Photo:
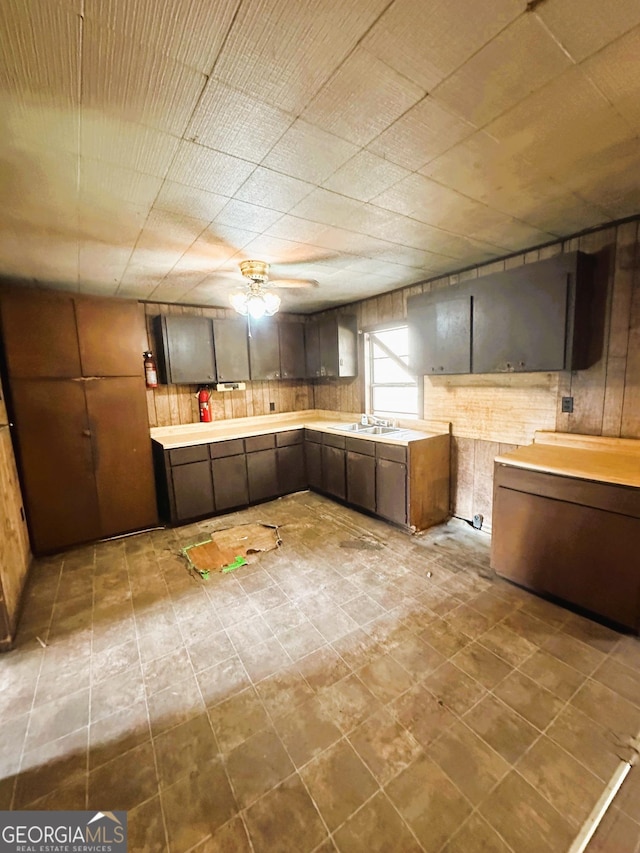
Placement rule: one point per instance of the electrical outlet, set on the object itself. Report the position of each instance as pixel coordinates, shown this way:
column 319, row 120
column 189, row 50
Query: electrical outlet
column 567, row 405
column 272, row 407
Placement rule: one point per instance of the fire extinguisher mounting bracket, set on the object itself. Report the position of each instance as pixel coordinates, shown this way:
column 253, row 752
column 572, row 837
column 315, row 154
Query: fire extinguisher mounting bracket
column 231, row 386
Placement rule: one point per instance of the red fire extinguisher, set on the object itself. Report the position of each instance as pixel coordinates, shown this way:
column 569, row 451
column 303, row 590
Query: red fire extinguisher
column 150, row 371
column 204, row 398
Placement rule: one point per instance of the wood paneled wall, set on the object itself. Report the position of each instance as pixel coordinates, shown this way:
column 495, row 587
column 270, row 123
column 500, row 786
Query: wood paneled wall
column 170, row 405
column 15, row 554
column 492, row 414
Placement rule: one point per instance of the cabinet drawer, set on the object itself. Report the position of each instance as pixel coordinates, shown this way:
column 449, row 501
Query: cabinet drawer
column 392, row 452
column 293, row 436
column 184, row 455
column 260, row 442
column 357, row 445
column 605, row 496
column 313, row 435
column 334, row 440
column 226, row 448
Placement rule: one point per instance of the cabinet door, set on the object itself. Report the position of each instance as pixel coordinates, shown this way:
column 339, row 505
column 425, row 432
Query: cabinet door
column 347, row 346
column 186, row 355
column 192, row 491
column 232, row 352
column 328, row 332
column 361, row 480
column 520, row 320
column 334, row 479
column 230, row 482
column 312, row 349
column 262, row 475
column 292, row 354
column 39, row 334
column 112, row 336
column 439, row 334
column 391, row 490
column 56, row 462
column 123, row 466
column 313, row 457
column 292, row 474
column 264, row 349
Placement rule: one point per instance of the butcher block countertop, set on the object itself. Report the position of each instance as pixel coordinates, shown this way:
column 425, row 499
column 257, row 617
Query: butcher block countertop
column 586, row 457
column 186, row 435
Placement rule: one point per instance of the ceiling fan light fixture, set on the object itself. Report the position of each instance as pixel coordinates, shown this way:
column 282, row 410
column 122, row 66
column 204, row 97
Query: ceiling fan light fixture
column 255, row 302
column 255, row 270
column 239, row 303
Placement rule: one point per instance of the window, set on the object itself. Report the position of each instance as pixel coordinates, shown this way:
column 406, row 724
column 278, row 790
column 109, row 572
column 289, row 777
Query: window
column 392, row 391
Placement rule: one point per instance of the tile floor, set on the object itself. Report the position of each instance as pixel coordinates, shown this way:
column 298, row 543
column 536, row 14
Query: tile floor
column 357, row 690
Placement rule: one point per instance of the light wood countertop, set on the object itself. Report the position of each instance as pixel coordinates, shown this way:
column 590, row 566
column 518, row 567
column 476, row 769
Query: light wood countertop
column 605, row 460
column 186, row 435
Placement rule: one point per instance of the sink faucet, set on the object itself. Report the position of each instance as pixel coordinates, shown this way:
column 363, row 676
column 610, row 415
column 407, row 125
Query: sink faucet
column 372, row 420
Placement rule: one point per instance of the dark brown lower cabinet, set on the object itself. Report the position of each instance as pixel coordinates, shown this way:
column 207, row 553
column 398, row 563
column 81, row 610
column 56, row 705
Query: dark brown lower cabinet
column 262, row 473
column 334, row 477
column 391, row 490
column 313, row 459
column 361, row 480
column 569, row 538
column 292, row 472
column 193, row 490
column 230, row 485
column 85, row 458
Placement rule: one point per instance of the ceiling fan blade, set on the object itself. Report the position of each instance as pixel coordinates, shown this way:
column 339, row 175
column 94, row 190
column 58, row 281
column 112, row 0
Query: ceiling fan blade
column 292, row 282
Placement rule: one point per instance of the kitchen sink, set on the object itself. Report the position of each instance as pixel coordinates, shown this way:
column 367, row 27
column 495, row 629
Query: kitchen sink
column 381, row 430
column 357, row 427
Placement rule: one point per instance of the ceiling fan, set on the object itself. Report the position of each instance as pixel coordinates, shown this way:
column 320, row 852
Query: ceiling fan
column 257, row 299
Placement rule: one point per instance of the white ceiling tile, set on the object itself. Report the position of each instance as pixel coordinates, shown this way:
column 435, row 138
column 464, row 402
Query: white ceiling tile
column 426, row 131
column 285, row 255
column 231, row 121
column 41, row 256
column 282, row 52
column 515, row 63
column 209, row 170
column 173, row 232
column 425, row 200
column 478, row 165
column 102, row 263
column 428, row 39
column 309, row 153
column 558, row 126
column 364, row 176
column 273, row 190
column 616, row 72
column 179, row 198
column 297, row 230
column 215, row 247
column 107, row 186
column 362, row 99
column 251, row 217
column 39, row 51
column 191, row 31
column 30, row 121
column 124, row 79
column 588, row 26
column 126, row 144
column 330, row 208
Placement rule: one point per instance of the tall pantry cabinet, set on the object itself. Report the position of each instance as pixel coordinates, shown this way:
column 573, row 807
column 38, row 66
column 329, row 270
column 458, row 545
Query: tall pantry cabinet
column 78, row 403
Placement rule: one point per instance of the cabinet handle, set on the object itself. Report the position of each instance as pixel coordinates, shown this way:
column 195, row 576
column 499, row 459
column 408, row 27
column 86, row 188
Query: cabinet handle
column 522, row 364
column 86, row 433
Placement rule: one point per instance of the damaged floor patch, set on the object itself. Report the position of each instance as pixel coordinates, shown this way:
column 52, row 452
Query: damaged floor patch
column 231, row 548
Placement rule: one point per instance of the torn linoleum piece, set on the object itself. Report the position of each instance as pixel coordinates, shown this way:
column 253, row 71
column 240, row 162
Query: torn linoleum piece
column 231, row 548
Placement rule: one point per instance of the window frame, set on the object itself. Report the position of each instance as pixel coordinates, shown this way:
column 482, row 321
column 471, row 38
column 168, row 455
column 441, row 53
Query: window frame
column 370, row 338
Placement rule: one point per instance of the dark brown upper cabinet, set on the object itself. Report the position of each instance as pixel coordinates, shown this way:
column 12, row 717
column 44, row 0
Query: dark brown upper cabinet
column 112, row 336
column 440, row 333
column 231, row 349
column 292, row 352
column 531, row 318
column 39, row 333
column 332, row 346
column 264, row 349
column 185, row 349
